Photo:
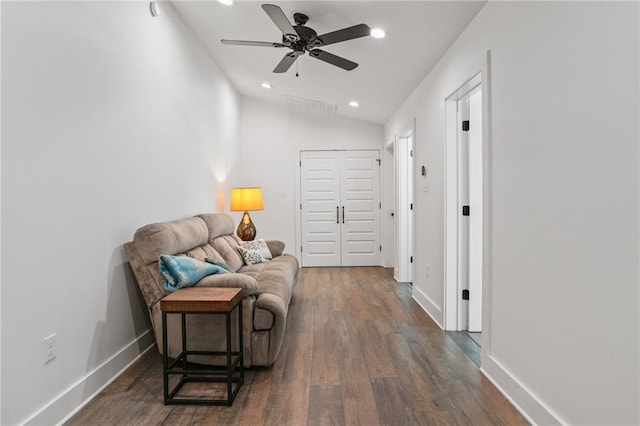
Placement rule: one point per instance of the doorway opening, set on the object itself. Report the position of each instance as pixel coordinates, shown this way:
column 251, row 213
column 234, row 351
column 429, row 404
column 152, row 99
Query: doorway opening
column 464, row 212
column 404, row 178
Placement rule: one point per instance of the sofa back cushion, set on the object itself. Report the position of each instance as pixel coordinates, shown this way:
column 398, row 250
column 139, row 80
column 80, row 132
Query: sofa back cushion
column 184, row 236
column 218, row 224
column 227, row 246
column 177, row 236
column 223, row 239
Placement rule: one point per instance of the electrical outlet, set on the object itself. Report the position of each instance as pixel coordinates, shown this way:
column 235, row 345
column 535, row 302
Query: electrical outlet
column 50, row 348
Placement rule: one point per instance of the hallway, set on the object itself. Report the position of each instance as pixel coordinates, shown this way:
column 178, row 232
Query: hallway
column 358, row 350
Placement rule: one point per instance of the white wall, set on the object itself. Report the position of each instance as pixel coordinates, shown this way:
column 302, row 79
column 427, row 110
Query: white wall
column 563, row 337
column 272, row 136
column 111, row 120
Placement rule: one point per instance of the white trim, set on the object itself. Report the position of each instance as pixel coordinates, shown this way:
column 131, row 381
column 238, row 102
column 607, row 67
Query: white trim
column 298, row 210
column 70, row 401
column 428, row 305
column 0, row 229
column 487, row 205
column 522, row 398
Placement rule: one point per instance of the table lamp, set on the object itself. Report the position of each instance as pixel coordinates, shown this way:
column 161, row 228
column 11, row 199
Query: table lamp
column 246, row 199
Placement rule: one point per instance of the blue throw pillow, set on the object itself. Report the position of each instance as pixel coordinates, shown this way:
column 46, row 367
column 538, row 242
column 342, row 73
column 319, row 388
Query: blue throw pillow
column 183, row 271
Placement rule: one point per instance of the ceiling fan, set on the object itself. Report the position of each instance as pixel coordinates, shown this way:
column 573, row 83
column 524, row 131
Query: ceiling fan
column 301, row 39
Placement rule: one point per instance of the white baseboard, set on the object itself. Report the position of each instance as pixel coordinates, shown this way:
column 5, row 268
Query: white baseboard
column 525, row 401
column 61, row 408
column 428, row 306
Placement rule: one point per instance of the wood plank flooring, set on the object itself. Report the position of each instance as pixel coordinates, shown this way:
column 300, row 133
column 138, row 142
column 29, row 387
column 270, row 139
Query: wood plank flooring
column 358, row 351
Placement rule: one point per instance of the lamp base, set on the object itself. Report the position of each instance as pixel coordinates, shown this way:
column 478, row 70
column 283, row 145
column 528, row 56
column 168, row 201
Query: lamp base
column 246, row 229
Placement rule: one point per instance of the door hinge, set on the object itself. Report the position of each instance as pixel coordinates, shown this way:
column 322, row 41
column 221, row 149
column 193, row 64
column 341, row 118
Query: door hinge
column 465, row 210
column 380, row 248
column 300, row 206
column 300, row 249
column 411, row 206
column 300, row 163
column 465, row 294
column 411, row 153
column 465, row 126
column 379, row 205
column 411, row 259
column 379, row 161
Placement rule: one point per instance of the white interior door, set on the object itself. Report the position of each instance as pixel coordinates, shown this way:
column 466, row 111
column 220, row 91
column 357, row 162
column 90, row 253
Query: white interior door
column 410, row 216
column 320, row 208
column 470, row 208
column 403, row 268
column 360, row 221
column 463, row 218
column 340, row 208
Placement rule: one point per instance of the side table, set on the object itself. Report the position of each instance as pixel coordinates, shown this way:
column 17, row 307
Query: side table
column 202, row 300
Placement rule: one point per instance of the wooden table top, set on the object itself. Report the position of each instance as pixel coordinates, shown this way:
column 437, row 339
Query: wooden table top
column 202, row 299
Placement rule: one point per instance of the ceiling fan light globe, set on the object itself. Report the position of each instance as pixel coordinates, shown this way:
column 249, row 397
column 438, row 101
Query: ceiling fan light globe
column 377, row 33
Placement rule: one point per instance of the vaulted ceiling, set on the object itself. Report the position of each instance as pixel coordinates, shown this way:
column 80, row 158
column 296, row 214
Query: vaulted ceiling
column 418, row 33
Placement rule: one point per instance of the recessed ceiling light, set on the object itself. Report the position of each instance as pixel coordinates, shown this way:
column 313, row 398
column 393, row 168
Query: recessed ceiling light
column 227, row 2
column 377, row 33
column 354, row 104
column 266, row 85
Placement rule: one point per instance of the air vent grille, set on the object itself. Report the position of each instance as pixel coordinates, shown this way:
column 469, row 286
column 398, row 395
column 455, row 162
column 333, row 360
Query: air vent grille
column 303, row 104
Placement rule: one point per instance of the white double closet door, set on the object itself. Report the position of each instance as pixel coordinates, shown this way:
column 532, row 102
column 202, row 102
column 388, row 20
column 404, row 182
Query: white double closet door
column 340, row 208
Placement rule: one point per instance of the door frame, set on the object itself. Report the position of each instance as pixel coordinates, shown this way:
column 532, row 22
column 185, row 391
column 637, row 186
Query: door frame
column 451, row 295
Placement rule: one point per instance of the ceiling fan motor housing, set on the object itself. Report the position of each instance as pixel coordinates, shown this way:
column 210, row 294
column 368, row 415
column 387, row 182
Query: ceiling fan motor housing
column 307, row 39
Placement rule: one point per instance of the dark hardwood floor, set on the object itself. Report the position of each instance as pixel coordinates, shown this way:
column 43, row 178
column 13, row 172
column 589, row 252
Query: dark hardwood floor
column 358, row 351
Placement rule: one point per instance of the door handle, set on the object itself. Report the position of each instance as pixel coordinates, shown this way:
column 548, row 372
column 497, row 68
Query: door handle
column 337, row 214
column 342, row 214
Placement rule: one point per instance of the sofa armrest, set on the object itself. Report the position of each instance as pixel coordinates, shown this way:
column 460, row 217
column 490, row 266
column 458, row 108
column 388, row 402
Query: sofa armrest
column 233, row 280
column 276, row 247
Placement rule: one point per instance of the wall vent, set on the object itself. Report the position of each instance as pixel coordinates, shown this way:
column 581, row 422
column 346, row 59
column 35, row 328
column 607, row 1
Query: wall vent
column 303, row 104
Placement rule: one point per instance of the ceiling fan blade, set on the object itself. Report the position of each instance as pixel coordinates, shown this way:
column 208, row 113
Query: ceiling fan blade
column 280, row 19
column 357, row 31
column 332, row 59
column 285, row 63
column 251, row 43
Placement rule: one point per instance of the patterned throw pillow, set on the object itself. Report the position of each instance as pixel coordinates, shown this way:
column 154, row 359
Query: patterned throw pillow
column 250, row 255
column 261, row 245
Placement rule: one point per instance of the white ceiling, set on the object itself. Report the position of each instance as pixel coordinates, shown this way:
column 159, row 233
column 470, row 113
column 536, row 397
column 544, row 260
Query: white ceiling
column 418, row 34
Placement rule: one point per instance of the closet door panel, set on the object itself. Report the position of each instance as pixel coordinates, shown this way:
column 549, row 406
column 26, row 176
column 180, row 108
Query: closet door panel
column 360, row 195
column 320, row 197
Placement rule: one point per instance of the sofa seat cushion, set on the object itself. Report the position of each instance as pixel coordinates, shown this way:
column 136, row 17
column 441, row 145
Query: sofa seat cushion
column 243, row 281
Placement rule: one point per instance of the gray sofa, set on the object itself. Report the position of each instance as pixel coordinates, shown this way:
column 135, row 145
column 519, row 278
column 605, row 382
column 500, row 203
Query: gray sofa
column 267, row 286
